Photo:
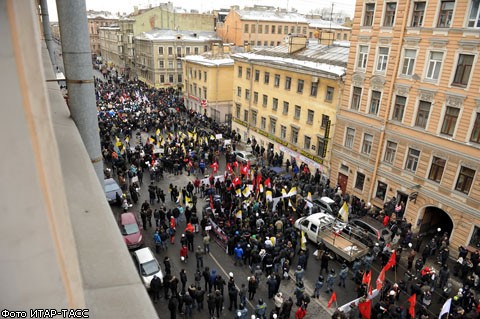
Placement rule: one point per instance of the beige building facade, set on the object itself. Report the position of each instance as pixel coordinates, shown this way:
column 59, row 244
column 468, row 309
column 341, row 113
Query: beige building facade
column 111, row 48
column 97, row 19
column 409, row 121
column 287, row 97
column 208, row 83
column 159, row 53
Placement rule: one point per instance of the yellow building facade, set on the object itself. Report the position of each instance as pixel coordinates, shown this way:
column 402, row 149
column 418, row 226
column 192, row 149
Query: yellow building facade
column 208, row 83
column 286, row 98
column 111, row 48
column 409, row 121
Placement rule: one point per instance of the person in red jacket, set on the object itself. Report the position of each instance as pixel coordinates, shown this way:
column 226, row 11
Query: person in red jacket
column 301, row 313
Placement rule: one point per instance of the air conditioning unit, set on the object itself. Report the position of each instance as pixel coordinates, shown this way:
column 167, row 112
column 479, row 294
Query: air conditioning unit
column 315, row 79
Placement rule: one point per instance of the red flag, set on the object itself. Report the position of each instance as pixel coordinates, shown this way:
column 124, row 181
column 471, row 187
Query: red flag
column 235, row 164
column 392, row 261
column 412, row 300
column 236, row 181
column 370, row 290
column 244, row 169
column 229, row 168
column 267, row 183
column 367, row 278
column 259, row 179
column 332, row 299
column 380, row 279
column 211, row 201
column 215, row 167
column 365, row 309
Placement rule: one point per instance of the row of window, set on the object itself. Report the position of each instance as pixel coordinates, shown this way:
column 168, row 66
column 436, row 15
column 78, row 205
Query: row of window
column 197, row 74
column 433, row 65
column 287, row 83
column 443, row 19
column 179, row 50
column 192, row 89
column 437, row 167
column 171, row 78
column 170, row 64
column 273, row 29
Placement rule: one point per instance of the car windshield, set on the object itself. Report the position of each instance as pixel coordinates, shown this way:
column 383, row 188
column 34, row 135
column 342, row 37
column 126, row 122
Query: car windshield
column 149, row 268
column 129, row 229
column 111, row 187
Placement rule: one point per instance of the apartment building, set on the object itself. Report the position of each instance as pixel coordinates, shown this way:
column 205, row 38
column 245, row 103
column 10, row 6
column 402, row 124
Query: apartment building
column 97, row 19
column 208, row 83
column 287, row 97
column 409, row 121
column 158, row 54
column 111, row 48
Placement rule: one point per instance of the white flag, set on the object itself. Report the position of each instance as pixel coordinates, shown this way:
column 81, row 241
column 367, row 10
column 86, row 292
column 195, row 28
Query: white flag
column 445, row 308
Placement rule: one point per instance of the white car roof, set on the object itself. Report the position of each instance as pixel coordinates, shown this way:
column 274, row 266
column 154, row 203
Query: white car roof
column 144, row 255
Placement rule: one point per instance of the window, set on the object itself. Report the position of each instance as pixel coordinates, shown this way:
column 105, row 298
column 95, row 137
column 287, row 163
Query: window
column 367, row 144
column 300, row 86
column 161, row 64
column 321, row 147
column 245, row 115
column 247, row 94
column 325, row 120
column 265, row 43
column 349, row 137
column 179, row 65
column 274, row 104
column 446, row 14
column 356, row 97
column 390, row 151
column 170, row 78
column 409, row 61
column 474, row 17
column 475, row 239
column 450, row 120
column 422, row 114
column 283, row 132
column 329, row 94
column 187, row 51
column 298, row 110
column 285, row 107
column 245, row 28
column 273, row 29
column 314, row 89
column 248, row 73
column 255, row 97
column 294, row 136
column 288, row 83
column 307, row 142
column 160, row 50
column 381, row 190
column 204, row 76
column 180, row 78
column 266, row 78
column 253, row 28
column 162, row 78
column 199, row 75
column 254, row 118
column 389, row 18
column 266, row 28
column 434, row 65
column 362, row 57
column 263, row 123
column 399, row 108
column 304, row 30
column 170, row 66
column 369, row 13
column 260, row 28
column 279, row 29
column 273, row 126
column 310, row 115
column 265, row 100
column 418, row 13
column 237, row 111
column 412, row 160
column 276, row 81
column 465, row 179
column 360, row 181
column 463, row 70
column 257, row 75
column 475, row 137
column 375, row 102
column 239, row 70
column 436, row 170
column 285, row 30
column 382, row 59
column 170, row 50
column 239, row 91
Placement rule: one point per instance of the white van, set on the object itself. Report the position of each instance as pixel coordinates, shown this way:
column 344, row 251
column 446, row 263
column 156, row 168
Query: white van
column 314, row 225
column 148, row 265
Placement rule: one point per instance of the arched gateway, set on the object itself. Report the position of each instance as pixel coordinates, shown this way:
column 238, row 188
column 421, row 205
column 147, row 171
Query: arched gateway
column 433, row 218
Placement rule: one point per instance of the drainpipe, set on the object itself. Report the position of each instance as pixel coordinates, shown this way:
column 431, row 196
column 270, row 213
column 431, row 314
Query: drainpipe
column 47, row 32
column 77, row 59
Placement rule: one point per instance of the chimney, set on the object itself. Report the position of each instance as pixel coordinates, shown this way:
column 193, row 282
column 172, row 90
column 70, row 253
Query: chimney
column 246, row 46
column 135, row 10
column 296, row 42
column 227, row 48
column 215, row 49
column 326, row 37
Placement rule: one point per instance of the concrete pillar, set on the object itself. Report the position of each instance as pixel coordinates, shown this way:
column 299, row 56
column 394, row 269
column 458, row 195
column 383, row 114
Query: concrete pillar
column 47, row 32
column 77, row 60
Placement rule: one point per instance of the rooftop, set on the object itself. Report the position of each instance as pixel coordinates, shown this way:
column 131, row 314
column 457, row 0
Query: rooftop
column 274, row 16
column 210, row 60
column 322, row 24
column 172, row 35
column 91, row 14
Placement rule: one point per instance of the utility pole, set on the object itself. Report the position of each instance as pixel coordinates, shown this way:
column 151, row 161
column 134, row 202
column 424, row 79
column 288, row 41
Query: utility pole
column 77, row 59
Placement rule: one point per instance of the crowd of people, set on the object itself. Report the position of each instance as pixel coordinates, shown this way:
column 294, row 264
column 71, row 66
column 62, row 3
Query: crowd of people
column 259, row 234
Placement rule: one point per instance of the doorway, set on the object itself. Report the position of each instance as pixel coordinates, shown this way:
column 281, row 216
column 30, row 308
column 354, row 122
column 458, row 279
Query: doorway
column 433, row 218
column 342, row 181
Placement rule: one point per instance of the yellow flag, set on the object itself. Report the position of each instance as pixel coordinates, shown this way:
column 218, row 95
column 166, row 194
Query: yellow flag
column 268, row 195
column 151, row 140
column 284, row 192
column 157, row 132
column 309, row 196
column 344, row 212
column 293, row 191
column 238, row 191
column 303, row 242
column 188, row 202
column 246, row 191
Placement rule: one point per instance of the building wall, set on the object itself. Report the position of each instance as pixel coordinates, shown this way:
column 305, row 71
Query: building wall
column 111, row 40
column 339, row 34
column 93, row 25
column 214, row 89
column 405, row 133
column 244, row 109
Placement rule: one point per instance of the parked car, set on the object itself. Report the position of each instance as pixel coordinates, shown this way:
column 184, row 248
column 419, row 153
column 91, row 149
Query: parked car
column 131, row 230
column 148, row 265
column 111, row 189
column 244, row 157
column 326, row 205
column 369, row 229
column 314, row 224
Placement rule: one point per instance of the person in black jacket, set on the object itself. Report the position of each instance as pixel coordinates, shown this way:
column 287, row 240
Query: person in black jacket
column 199, row 297
column 183, row 279
column 155, row 286
column 172, row 306
column 206, row 277
column 218, row 302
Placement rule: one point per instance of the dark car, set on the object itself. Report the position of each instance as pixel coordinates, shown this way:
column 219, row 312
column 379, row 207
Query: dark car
column 369, row 230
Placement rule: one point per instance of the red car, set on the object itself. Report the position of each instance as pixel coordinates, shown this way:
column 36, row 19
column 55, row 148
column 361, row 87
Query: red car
column 131, row 230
